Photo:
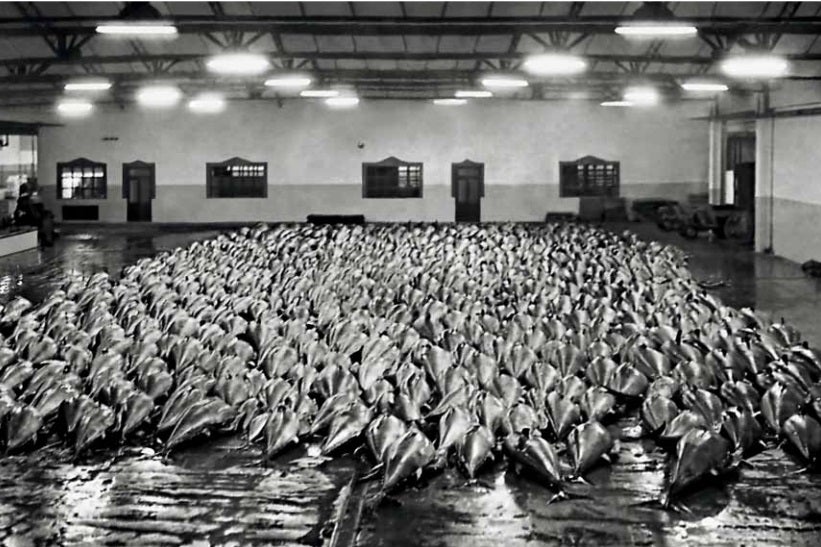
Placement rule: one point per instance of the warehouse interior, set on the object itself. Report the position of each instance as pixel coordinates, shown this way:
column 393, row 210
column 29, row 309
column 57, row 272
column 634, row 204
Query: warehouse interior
column 614, row 183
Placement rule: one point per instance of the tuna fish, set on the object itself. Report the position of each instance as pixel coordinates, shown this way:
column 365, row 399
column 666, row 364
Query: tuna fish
column 562, row 414
column 657, row 412
column 476, row 449
column 407, row 456
column 281, row 430
column 198, row 419
column 453, row 426
column 346, row 425
column 534, row 455
column 778, row 404
column 699, row 453
column 22, row 424
column 586, row 444
column 804, row 434
column 597, row 403
column 382, row 433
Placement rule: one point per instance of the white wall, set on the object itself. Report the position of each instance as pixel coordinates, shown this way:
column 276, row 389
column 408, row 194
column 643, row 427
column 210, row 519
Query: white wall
column 662, row 152
column 788, row 190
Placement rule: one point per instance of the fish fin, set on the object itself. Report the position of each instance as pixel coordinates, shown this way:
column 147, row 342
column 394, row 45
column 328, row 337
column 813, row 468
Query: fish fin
column 652, row 503
column 580, row 479
column 798, row 471
column 370, row 474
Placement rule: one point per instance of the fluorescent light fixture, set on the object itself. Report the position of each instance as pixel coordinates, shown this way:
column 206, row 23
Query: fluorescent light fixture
column 290, row 82
column 450, row 102
column 95, row 85
column 319, row 93
column 207, row 103
column 504, row 82
column 765, row 66
column 159, row 95
column 473, row 94
column 616, row 103
column 704, row 86
column 642, row 96
column 644, row 30
column 555, row 63
column 74, row 107
column 342, row 102
column 138, row 29
column 238, row 63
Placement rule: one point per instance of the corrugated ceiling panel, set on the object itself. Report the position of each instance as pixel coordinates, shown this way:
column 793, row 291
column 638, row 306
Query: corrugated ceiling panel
column 516, row 9
column 424, row 9
column 493, row 43
column 335, row 43
column 457, row 44
column 188, row 8
column 327, row 8
column 467, row 9
column 276, row 9
column 298, row 42
column 379, row 43
column 421, row 44
column 378, row 9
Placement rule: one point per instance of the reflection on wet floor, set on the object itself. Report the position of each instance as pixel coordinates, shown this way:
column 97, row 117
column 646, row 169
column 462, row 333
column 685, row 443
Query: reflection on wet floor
column 213, row 494
column 219, row 493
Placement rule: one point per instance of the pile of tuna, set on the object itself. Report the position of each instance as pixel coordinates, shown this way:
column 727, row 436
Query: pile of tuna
column 417, row 346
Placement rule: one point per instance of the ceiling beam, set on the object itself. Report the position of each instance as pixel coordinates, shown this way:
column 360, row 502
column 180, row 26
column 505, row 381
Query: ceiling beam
column 341, row 76
column 28, row 26
column 372, row 55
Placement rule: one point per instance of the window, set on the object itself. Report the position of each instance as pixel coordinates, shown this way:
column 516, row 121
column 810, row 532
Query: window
column 237, row 178
column 392, row 178
column 81, row 179
column 589, row 177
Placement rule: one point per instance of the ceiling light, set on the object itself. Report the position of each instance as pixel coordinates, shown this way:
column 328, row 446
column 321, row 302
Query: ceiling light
column 704, row 86
column 473, row 94
column 96, row 85
column 616, row 103
column 645, row 30
column 238, row 63
column 74, row 107
column 504, row 82
column 641, row 96
column 138, row 30
column 765, row 66
column 342, row 101
column 555, row 63
column 450, row 102
column 319, row 93
column 208, row 103
column 291, row 82
column 159, row 95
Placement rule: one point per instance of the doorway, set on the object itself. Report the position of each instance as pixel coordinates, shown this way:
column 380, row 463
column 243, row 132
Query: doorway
column 468, row 189
column 739, row 190
column 139, row 188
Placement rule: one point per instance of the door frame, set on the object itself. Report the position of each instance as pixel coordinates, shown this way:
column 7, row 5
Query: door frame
column 152, row 185
column 454, row 173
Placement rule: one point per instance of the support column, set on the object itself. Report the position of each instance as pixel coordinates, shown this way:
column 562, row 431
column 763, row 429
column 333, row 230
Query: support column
column 764, row 145
column 715, row 169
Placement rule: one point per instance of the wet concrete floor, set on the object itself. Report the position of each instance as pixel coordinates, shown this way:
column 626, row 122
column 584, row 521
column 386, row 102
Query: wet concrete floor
column 218, row 493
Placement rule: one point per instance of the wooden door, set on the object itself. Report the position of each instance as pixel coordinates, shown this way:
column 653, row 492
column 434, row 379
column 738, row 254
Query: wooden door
column 139, row 188
column 468, row 189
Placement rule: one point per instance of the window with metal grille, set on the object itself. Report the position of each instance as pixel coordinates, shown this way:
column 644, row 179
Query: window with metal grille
column 392, row 178
column 237, row 178
column 589, row 177
column 81, row 179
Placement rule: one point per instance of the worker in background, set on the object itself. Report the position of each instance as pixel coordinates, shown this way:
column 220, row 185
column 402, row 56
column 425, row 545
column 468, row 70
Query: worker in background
column 30, row 212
